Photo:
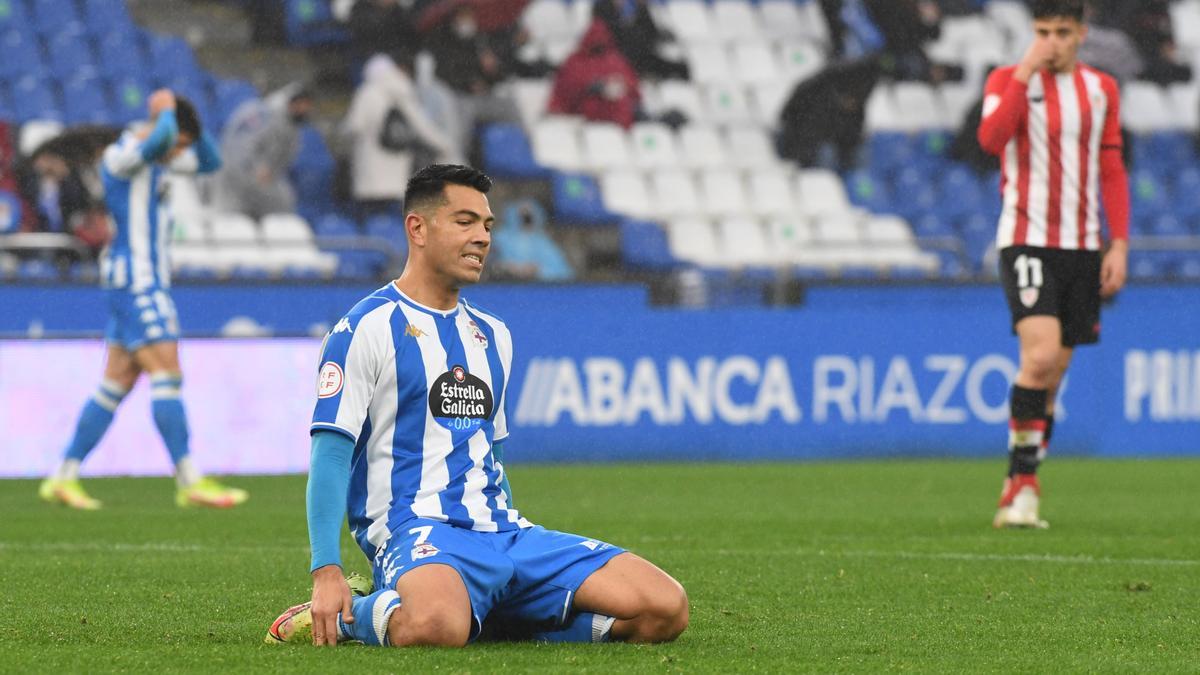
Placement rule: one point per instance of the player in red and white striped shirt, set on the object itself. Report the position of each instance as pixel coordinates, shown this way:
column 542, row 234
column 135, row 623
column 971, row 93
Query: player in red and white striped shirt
column 1055, row 125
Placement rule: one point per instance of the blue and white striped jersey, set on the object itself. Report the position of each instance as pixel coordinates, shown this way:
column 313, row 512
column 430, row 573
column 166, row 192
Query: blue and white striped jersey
column 422, row 394
column 136, row 258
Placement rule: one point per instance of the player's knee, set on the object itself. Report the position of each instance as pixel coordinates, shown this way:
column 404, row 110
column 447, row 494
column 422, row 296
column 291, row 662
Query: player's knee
column 666, row 614
column 1041, row 365
column 428, row 628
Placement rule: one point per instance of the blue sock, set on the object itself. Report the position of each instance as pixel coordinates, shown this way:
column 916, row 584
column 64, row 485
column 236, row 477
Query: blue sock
column 582, row 627
column 371, row 615
column 169, row 416
column 94, row 420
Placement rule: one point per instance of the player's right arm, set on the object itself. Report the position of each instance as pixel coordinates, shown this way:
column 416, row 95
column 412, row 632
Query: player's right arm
column 1004, row 97
column 346, row 382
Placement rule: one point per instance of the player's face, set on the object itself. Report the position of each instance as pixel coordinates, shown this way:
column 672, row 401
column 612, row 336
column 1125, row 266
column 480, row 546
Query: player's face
column 1063, row 35
column 459, row 235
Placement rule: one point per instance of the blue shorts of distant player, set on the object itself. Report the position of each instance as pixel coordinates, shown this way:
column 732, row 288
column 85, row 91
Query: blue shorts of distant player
column 136, row 319
column 528, row 575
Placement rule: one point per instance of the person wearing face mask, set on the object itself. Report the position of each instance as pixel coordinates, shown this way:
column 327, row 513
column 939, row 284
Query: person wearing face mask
column 597, row 81
column 260, row 142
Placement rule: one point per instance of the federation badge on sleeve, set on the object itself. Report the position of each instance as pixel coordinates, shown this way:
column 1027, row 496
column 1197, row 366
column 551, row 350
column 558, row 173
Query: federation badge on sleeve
column 329, row 382
column 1029, row 297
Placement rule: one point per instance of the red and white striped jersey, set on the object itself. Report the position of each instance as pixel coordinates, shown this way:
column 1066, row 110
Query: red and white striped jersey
column 1050, row 136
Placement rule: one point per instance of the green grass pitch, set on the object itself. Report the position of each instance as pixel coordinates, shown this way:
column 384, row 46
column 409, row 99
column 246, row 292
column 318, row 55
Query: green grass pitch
column 830, row 567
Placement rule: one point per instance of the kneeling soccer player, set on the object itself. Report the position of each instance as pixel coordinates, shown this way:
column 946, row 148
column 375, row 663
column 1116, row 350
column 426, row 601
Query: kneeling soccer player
column 407, row 437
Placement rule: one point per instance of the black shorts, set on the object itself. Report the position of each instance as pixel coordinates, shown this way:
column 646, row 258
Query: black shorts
column 1053, row 282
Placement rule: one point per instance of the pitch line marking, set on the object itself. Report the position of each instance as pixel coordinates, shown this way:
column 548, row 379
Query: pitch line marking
column 976, row 557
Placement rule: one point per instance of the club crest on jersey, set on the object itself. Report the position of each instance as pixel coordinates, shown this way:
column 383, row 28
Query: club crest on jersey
column 1029, row 296
column 425, row 550
column 460, row 401
column 329, row 381
column 477, row 335
column 342, row 326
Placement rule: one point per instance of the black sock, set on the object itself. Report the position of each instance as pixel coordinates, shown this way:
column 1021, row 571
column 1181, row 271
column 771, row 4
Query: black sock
column 1026, row 429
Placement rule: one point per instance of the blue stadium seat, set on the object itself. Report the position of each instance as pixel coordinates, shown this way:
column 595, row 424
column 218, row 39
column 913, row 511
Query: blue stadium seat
column 13, row 17
column 104, row 17
column 1187, row 194
column 171, row 58
column 644, row 246
column 84, row 272
column 85, row 102
column 1188, row 266
column 866, row 191
column 360, row 264
column 228, row 95
column 128, row 96
column 335, row 225
column 1149, row 195
column 22, row 55
column 960, row 193
column 310, row 23
column 49, row 16
column 918, row 195
column 1147, row 266
column 506, row 153
column 389, row 229
column 33, row 99
column 10, row 212
column 1167, row 225
column 889, row 152
column 577, row 200
column 121, row 55
column 70, row 56
column 932, row 225
column 312, row 174
column 37, row 270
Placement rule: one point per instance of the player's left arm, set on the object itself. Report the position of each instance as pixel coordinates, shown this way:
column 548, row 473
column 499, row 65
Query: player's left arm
column 498, row 455
column 1114, row 193
column 328, row 485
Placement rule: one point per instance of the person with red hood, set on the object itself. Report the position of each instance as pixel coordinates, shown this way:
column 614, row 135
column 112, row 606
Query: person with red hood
column 596, row 81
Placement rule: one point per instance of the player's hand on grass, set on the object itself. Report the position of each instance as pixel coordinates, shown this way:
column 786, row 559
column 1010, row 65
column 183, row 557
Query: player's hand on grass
column 1037, row 57
column 331, row 595
column 163, row 99
column 1113, row 268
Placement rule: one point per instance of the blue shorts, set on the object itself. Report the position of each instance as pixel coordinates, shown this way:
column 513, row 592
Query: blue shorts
column 138, row 319
column 528, row 575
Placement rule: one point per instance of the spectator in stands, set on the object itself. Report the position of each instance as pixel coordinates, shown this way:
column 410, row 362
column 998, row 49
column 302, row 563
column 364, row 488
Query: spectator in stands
column 389, row 132
column 266, row 22
column 638, row 37
column 596, row 81
column 828, row 108
column 60, row 179
column 470, row 64
column 259, row 144
column 1148, row 23
column 906, row 25
column 381, row 27
column 522, row 249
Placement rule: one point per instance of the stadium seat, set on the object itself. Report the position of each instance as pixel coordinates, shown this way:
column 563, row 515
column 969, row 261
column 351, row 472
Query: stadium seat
column 1185, row 103
column 14, row 18
column 690, row 20
column 549, row 21
column 10, row 212
column 577, row 200
column 771, row 194
column 37, row 270
column 35, row 132
column 625, row 193
column 840, row 229
column 755, row 62
column 118, row 56
column 709, row 63
column 556, row 143
column 312, row 173
column 799, row 61
column 49, row 16
column 673, row 192
column 70, row 56
column 723, row 193
column 507, row 154
column 285, row 228
column 680, row 96
column 128, row 96
column 336, row 225
column 653, row 146
column 702, row 147
column 84, row 102
column 735, row 20
column 867, row 192
column 103, row 17
column 782, row 19
column 727, row 104
column 644, row 246
column 918, row 107
column 171, row 58
column 821, row 192
column 310, row 23
column 767, row 100
column 790, row 236
column 32, row 99
column 1185, row 22
column 532, row 96
column 1145, row 107
column 22, row 55
column 743, row 243
column 605, row 146
column 881, row 112
column 751, row 148
column 693, row 240
column 233, row 228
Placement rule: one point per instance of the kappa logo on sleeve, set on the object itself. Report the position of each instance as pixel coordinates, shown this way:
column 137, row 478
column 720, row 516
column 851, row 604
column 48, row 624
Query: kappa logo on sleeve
column 342, row 326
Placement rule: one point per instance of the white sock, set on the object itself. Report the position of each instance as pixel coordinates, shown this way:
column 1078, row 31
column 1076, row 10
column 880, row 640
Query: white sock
column 186, row 473
column 68, row 470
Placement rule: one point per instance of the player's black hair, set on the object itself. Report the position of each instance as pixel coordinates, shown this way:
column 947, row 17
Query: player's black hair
column 187, row 118
column 427, row 187
column 1049, row 9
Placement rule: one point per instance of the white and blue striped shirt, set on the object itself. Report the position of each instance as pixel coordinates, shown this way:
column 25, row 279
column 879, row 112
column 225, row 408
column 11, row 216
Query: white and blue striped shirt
column 136, row 258
column 421, row 392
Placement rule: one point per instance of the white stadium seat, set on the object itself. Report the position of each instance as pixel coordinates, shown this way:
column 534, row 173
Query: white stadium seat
column 881, row 112
column 605, row 146
column 624, row 191
column 781, row 19
column 1185, row 102
column 1185, row 20
column 755, row 62
column 548, row 20
column 799, row 61
column 723, row 192
column 839, row 229
column 771, row 194
column 742, row 241
column 751, row 148
column 556, row 143
column 736, row 20
column 822, row 192
column 709, row 63
column 653, row 146
column 285, row 228
column 693, row 240
column 789, row 235
column 532, row 96
column 768, row 100
column 188, row 215
column 673, row 193
column 918, row 107
column 683, row 97
column 229, row 228
column 726, row 103
column 1145, row 107
column 956, row 100
column 690, row 20
column 702, row 146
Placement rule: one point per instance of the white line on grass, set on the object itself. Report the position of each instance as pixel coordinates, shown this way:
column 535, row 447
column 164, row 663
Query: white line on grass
column 175, row 547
